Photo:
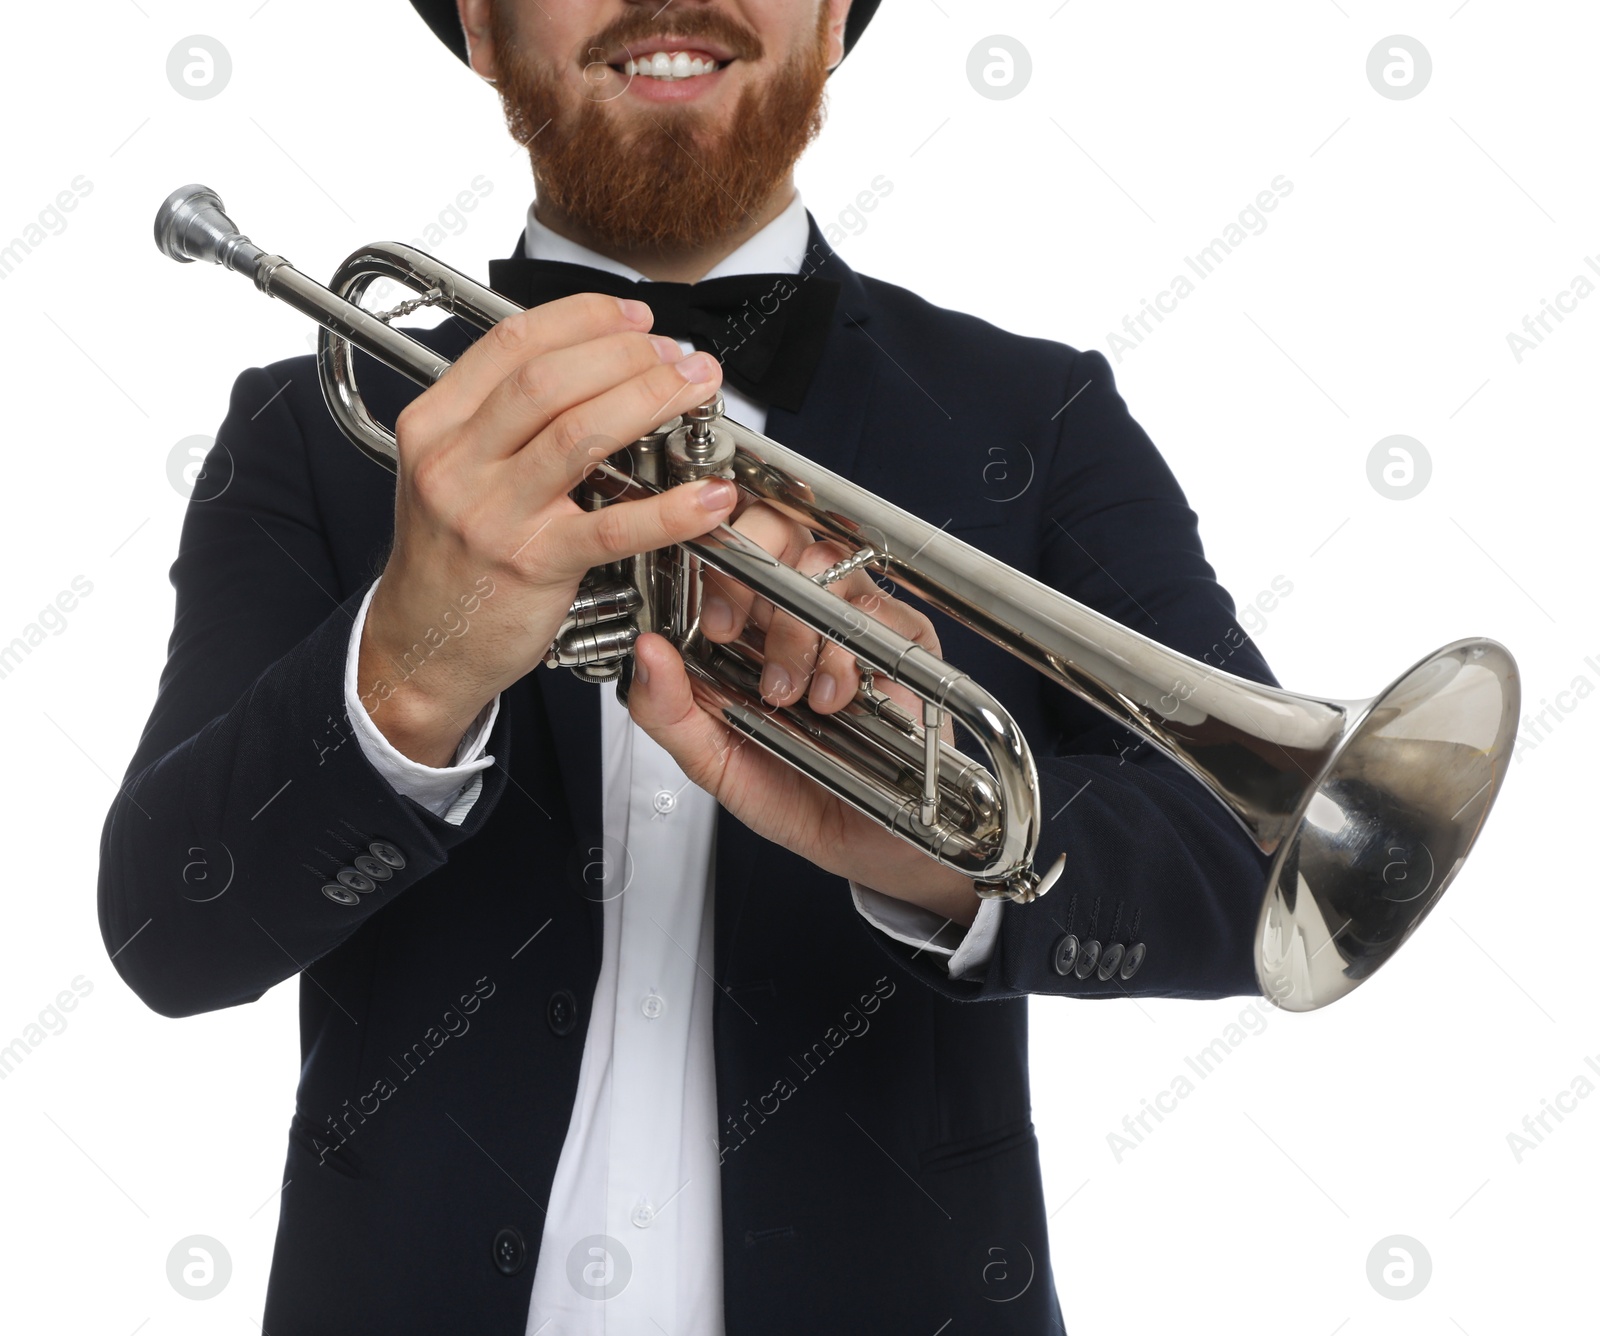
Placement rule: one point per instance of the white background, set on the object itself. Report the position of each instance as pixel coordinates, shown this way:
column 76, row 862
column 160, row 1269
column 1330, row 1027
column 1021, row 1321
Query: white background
column 1377, row 301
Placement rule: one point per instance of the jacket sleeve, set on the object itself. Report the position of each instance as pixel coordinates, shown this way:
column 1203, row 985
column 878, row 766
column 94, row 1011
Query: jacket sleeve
column 1155, row 865
column 251, row 835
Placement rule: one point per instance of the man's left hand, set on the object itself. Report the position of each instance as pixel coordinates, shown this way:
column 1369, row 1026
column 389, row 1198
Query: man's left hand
column 770, row 796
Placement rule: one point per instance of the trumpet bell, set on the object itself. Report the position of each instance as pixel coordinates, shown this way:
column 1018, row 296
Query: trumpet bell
column 1383, row 830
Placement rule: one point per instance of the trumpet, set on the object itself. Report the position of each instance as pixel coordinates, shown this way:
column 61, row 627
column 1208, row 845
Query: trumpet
column 1367, row 807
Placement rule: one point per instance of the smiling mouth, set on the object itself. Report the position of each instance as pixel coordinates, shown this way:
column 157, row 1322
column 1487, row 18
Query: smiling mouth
column 671, row 64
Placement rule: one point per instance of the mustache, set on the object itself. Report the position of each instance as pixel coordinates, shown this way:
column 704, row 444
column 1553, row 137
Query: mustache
column 637, row 26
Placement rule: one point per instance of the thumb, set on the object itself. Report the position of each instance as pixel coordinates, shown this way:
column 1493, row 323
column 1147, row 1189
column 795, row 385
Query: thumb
column 662, row 702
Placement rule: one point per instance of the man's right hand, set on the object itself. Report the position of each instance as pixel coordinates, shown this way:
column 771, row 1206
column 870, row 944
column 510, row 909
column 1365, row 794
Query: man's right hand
column 487, row 457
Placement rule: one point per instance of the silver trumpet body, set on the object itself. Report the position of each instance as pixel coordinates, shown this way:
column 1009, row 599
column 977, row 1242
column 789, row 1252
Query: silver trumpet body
column 1368, row 808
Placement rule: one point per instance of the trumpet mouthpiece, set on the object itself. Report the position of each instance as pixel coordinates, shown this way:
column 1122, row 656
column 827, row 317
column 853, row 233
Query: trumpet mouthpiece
column 191, row 225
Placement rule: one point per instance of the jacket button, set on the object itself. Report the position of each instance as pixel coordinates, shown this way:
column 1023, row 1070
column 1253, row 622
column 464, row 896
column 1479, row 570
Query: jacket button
column 356, row 881
column 1132, row 961
column 1109, row 960
column 372, row 867
column 562, row 1012
column 1088, row 958
column 510, row 1252
column 341, row 895
column 1065, row 954
column 387, row 853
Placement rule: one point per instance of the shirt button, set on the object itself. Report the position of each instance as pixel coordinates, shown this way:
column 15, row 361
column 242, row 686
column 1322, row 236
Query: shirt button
column 665, row 801
column 643, row 1214
column 562, row 1012
column 510, row 1252
column 653, row 1005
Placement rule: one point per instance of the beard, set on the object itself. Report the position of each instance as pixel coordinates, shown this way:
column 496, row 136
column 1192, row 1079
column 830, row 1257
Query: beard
column 673, row 181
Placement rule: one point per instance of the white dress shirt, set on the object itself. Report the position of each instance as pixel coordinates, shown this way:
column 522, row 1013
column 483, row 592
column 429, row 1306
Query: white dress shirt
column 632, row 1242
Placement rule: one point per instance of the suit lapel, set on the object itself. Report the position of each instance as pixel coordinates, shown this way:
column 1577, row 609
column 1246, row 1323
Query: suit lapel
column 826, row 428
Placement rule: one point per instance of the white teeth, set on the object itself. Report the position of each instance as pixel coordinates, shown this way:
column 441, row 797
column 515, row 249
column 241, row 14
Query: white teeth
column 670, row 65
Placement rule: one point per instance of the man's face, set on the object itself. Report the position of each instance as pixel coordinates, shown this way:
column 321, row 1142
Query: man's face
column 661, row 126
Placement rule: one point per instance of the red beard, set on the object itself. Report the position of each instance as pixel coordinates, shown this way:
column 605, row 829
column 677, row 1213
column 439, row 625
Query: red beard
column 671, row 183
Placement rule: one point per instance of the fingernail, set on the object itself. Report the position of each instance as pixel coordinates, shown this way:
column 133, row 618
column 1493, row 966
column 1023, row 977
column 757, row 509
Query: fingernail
column 716, row 617
column 666, row 349
column 718, row 494
column 641, row 674
column 824, row 691
column 635, row 313
column 774, row 682
column 698, row 368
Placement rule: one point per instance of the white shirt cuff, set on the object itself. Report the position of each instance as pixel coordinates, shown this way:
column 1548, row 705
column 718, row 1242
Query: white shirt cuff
column 447, row 791
column 968, row 950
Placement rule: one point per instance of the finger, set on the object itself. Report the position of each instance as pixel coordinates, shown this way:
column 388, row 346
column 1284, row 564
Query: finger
column 538, row 390
column 914, row 625
column 572, row 543
column 524, row 336
column 662, row 703
column 838, row 676
column 900, row 618
column 558, row 458
column 792, row 650
column 729, row 605
column 836, row 681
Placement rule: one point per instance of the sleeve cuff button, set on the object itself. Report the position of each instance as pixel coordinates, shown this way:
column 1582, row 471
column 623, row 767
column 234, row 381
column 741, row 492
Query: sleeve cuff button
column 372, row 867
column 387, row 854
column 356, row 881
column 1065, row 954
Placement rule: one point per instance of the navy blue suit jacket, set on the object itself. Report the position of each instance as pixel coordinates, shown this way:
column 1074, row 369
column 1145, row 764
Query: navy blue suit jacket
column 876, row 1132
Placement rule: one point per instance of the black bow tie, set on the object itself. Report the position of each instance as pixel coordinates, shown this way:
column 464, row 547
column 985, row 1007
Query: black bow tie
column 767, row 330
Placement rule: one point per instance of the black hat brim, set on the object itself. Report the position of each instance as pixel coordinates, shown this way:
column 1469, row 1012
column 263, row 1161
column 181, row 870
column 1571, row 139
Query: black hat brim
column 441, row 16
